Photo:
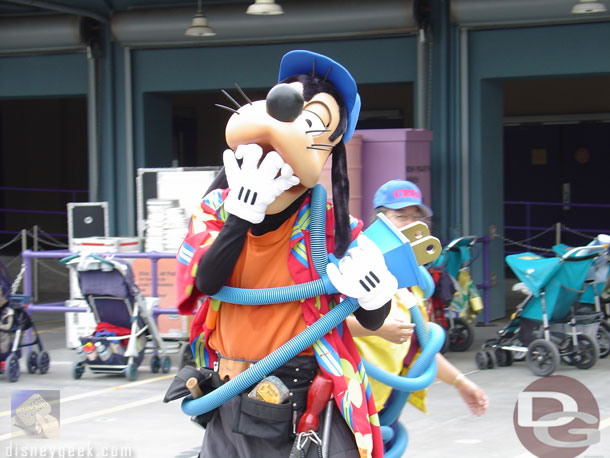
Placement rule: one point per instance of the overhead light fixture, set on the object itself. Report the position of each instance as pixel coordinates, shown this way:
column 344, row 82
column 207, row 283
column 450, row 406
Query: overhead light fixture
column 200, row 27
column 589, row 6
column 264, row 8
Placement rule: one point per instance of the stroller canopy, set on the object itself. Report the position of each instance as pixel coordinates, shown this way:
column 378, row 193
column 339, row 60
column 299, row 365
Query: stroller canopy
column 533, row 270
column 111, row 283
column 560, row 280
column 598, row 273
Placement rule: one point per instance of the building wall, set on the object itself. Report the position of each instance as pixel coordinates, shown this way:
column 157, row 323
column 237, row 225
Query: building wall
column 136, row 86
column 496, row 56
column 160, row 73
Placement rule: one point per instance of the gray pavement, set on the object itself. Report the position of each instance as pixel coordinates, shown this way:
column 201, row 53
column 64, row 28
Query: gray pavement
column 449, row 430
column 103, row 415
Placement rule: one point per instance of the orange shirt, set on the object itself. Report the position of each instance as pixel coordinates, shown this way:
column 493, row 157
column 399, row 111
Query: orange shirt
column 251, row 332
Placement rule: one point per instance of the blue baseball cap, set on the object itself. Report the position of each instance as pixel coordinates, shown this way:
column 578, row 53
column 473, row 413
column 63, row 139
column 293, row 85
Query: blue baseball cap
column 397, row 194
column 301, row 62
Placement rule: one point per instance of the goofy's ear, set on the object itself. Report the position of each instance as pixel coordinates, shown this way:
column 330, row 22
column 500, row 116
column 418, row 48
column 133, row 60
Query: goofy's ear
column 340, row 184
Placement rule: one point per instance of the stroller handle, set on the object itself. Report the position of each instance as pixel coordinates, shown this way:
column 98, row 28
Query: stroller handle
column 97, row 257
column 67, row 259
column 470, row 239
column 571, row 254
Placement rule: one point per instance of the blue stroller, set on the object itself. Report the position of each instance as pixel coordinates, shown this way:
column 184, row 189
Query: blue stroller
column 546, row 327
column 124, row 323
column 466, row 302
column 14, row 321
column 594, row 299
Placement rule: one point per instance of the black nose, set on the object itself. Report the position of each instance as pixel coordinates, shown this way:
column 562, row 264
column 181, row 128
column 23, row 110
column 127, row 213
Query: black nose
column 284, row 103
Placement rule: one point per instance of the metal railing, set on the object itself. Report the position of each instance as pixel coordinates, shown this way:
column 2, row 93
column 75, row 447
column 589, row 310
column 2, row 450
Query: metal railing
column 486, row 284
column 532, row 232
column 28, row 257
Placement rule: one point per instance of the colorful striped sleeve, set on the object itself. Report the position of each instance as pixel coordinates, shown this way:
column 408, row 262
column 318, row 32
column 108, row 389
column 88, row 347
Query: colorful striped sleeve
column 206, row 223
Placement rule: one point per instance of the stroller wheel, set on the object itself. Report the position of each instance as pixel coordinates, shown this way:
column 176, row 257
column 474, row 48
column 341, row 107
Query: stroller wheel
column 500, row 357
column 491, row 359
column 166, row 364
column 77, row 370
column 481, row 359
column 517, row 355
column 566, row 351
column 155, row 363
column 43, row 362
column 542, row 357
column 12, row 368
column 461, row 335
column 131, row 372
column 603, row 339
column 510, row 357
column 32, row 362
column 586, row 353
column 504, row 358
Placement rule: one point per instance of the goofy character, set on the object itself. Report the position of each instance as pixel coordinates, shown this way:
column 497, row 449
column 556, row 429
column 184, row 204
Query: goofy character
column 255, row 234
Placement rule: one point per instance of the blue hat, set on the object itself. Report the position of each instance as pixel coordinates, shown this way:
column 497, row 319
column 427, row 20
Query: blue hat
column 301, row 62
column 397, row 194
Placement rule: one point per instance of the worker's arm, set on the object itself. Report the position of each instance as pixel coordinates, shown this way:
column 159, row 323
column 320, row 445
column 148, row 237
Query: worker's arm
column 474, row 397
column 393, row 329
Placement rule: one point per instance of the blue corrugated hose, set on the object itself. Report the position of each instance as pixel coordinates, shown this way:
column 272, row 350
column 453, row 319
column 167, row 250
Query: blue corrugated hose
column 431, row 341
column 417, row 382
column 270, row 362
column 283, row 294
column 306, row 338
column 400, row 445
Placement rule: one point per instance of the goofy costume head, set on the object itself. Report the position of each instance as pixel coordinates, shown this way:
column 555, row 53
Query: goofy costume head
column 255, row 234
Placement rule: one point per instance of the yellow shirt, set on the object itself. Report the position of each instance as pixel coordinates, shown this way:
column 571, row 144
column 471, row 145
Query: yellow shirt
column 390, row 356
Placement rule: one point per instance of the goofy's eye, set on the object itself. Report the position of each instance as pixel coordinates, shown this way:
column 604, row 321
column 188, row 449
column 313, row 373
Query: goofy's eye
column 313, row 123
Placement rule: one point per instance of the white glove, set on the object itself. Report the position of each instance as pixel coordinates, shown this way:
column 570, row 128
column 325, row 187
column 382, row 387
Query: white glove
column 363, row 275
column 407, row 298
column 254, row 188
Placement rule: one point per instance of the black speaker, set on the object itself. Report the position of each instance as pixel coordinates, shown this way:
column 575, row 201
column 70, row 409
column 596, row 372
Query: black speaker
column 87, row 219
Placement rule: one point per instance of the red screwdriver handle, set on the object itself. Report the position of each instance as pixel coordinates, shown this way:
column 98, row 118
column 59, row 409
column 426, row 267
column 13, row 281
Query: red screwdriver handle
column 317, row 397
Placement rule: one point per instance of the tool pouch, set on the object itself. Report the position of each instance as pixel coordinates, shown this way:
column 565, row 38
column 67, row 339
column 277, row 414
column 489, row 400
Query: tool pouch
column 275, row 421
column 264, row 420
column 207, row 379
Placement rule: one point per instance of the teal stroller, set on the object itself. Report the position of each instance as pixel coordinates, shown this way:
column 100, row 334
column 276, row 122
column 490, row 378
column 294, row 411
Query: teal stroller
column 595, row 298
column 456, row 315
column 546, row 324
